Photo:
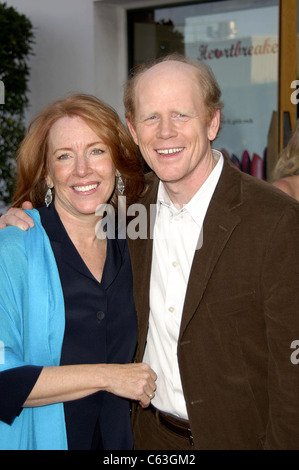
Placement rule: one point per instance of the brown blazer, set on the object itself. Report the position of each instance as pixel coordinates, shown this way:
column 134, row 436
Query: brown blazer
column 240, row 316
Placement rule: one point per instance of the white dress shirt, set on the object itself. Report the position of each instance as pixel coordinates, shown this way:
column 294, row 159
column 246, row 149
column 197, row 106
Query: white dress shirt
column 177, row 234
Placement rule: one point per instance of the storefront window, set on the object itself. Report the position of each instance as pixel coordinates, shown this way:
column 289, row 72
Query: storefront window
column 239, row 42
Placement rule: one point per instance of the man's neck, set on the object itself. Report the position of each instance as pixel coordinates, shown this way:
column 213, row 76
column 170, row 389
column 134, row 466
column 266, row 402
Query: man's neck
column 182, row 191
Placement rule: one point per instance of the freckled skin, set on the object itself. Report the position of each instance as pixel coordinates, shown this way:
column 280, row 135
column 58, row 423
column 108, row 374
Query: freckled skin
column 170, row 114
column 78, row 159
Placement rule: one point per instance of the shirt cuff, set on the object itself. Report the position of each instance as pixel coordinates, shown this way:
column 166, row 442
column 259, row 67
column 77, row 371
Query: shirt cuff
column 15, row 387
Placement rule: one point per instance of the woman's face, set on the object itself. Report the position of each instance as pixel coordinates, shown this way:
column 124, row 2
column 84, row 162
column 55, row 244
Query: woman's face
column 80, row 167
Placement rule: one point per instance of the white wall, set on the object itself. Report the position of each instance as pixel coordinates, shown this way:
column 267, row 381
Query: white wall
column 80, row 46
column 110, row 53
column 64, row 44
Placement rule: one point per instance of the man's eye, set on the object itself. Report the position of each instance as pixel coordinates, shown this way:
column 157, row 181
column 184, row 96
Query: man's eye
column 179, row 115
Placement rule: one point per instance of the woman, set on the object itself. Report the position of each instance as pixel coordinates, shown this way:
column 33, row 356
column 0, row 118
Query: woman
column 286, row 172
column 67, row 316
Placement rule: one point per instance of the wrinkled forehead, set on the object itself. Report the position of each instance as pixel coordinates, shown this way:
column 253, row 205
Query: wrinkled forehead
column 166, row 83
column 166, row 72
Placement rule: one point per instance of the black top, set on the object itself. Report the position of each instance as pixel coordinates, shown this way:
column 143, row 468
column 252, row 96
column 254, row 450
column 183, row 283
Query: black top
column 101, row 327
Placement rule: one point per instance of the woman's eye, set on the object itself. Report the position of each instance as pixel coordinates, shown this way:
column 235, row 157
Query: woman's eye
column 63, row 156
column 97, row 151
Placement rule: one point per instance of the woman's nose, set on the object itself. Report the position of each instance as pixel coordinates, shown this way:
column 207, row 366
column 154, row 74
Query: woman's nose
column 82, row 166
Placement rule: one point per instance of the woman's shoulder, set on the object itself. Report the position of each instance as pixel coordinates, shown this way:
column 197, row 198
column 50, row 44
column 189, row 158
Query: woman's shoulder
column 14, row 238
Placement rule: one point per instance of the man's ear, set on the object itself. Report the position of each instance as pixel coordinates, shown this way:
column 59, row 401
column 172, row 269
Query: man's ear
column 214, row 125
column 132, row 130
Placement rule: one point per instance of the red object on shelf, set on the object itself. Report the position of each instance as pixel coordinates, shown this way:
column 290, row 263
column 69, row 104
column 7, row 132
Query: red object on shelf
column 257, row 166
column 246, row 162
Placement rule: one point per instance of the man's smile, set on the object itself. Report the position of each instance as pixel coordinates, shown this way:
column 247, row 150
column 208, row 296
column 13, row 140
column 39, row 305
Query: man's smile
column 169, row 151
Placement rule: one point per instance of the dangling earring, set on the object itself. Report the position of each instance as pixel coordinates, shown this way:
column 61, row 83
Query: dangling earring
column 120, row 184
column 48, row 196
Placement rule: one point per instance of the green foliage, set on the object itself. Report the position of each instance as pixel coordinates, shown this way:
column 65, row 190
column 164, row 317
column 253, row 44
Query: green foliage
column 16, row 39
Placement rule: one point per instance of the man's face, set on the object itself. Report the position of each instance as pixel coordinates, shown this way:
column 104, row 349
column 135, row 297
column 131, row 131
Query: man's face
column 170, row 125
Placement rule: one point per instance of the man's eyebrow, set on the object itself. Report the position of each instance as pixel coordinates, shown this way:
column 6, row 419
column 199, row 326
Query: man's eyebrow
column 148, row 114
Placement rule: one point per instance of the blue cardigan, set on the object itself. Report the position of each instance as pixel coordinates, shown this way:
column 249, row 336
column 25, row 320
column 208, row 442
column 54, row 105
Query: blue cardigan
column 32, row 321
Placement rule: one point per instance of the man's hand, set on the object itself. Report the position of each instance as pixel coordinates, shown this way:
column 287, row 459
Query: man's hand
column 17, row 217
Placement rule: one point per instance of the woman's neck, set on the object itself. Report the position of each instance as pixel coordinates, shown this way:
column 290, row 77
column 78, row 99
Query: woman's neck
column 82, row 232
column 81, row 229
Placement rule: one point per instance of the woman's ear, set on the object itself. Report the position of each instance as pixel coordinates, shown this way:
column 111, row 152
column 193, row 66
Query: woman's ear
column 49, row 181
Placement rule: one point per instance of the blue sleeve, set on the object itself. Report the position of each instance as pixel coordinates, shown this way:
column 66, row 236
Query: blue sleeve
column 17, row 375
column 15, row 386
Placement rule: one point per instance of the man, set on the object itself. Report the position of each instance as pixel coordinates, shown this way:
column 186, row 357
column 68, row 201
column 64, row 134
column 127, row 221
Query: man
column 222, row 272
column 216, row 284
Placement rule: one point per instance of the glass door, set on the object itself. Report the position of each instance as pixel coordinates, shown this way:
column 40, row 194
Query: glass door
column 239, row 41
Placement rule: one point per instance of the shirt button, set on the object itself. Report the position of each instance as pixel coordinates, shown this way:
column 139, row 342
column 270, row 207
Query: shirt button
column 175, row 264
column 100, row 316
column 171, row 309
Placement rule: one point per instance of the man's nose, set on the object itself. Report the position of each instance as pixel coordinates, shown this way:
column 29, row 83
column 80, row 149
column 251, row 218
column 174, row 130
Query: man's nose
column 166, row 128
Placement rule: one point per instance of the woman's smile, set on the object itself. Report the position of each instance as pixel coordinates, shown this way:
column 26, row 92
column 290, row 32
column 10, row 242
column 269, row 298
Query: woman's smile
column 87, row 189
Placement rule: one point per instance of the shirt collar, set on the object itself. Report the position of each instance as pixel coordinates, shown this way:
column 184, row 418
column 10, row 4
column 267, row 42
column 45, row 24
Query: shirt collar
column 205, row 191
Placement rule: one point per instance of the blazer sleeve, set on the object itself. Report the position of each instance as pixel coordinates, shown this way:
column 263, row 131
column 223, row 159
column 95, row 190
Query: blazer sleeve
column 280, row 282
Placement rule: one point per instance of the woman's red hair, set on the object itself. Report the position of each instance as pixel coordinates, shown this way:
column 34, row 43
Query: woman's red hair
column 103, row 120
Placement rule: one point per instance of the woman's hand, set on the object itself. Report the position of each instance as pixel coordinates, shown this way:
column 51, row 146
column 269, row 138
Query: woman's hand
column 64, row 383
column 134, row 381
column 17, row 217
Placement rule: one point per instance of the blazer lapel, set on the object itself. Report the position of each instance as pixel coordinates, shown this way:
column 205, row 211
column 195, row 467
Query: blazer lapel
column 219, row 224
column 141, row 258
